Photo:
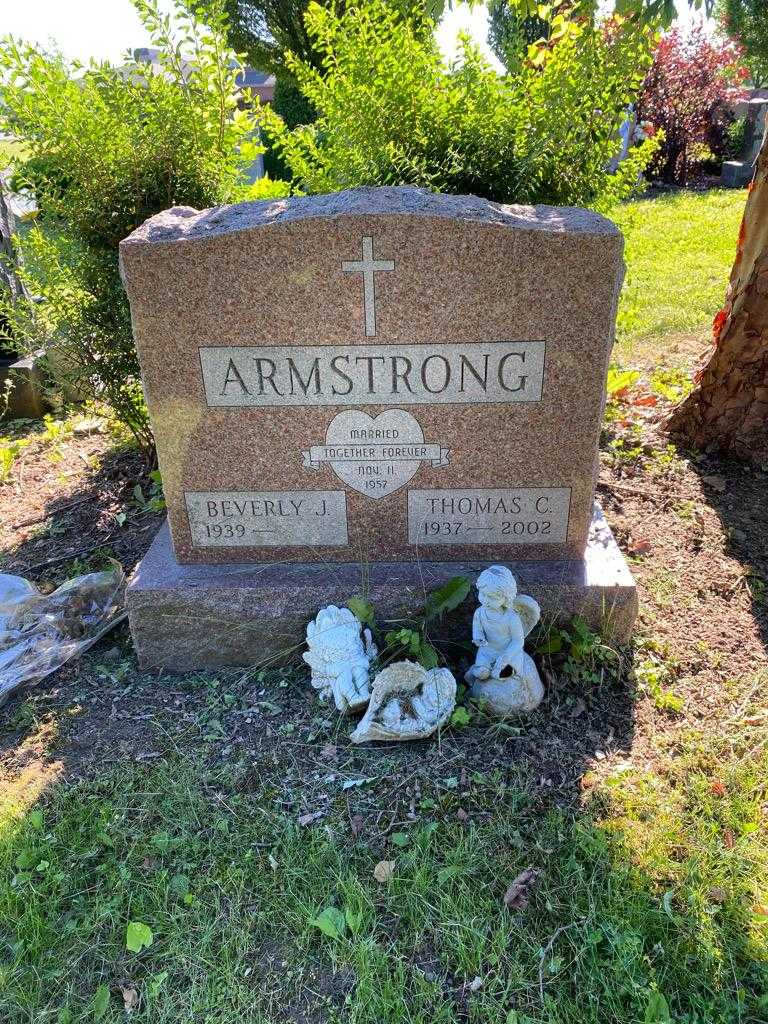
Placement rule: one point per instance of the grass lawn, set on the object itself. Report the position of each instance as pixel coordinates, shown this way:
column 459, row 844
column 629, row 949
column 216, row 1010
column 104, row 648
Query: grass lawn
column 679, row 253
column 641, row 913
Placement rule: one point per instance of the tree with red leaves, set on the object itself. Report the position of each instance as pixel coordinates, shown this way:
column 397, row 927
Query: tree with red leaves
column 684, row 94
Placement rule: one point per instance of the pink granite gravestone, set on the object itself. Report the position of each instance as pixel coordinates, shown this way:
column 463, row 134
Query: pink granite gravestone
column 380, row 383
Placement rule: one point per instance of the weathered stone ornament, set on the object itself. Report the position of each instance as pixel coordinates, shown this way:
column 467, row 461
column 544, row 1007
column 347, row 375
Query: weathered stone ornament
column 339, row 659
column 408, row 702
column 503, row 675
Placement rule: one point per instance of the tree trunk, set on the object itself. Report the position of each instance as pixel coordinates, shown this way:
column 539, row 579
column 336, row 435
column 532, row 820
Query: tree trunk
column 728, row 408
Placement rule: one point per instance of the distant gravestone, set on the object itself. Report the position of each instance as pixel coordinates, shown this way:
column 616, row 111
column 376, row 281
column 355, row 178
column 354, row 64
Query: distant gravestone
column 738, row 173
column 21, row 379
column 378, row 388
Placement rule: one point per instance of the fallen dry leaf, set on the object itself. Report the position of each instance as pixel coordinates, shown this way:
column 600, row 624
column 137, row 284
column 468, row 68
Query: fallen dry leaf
column 518, row 895
column 641, row 546
column 717, row 788
column 356, row 823
column 130, row 995
column 728, row 840
column 307, row 819
column 645, row 400
column 756, row 719
column 462, row 815
column 384, row 871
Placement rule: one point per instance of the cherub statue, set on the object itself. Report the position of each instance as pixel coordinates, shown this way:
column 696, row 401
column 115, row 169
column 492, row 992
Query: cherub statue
column 503, row 674
column 338, row 658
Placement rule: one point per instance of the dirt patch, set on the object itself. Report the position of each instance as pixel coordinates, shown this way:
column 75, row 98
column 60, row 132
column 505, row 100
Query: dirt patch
column 72, row 502
column 694, row 527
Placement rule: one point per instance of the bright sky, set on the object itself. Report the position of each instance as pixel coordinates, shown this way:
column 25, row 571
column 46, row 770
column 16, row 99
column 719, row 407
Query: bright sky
column 105, row 29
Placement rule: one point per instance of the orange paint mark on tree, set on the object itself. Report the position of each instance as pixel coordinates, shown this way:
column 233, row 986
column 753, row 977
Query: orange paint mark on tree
column 740, row 242
column 718, row 324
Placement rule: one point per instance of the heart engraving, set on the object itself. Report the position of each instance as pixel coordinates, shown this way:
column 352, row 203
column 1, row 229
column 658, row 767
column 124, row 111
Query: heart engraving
column 375, row 455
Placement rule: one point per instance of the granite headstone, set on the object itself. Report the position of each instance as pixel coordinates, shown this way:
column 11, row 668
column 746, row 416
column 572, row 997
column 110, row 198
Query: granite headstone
column 380, row 378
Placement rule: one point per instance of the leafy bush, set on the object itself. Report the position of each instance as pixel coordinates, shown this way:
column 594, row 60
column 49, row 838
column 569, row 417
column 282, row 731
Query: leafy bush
column 511, row 30
column 289, row 102
column 391, row 112
column 685, row 94
column 108, row 147
column 736, row 138
column 84, row 322
column 411, row 639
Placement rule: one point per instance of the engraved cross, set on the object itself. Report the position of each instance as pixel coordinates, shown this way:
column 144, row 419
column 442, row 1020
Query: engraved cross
column 368, row 266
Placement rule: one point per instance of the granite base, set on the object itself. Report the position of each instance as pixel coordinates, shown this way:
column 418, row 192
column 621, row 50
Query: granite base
column 189, row 617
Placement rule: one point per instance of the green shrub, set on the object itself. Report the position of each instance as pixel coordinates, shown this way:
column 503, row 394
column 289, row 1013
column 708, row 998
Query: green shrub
column 290, row 103
column 736, row 138
column 390, row 111
column 84, row 320
column 108, row 147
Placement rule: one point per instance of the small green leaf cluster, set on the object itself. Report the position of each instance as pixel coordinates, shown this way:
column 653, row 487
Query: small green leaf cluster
column 10, row 449
column 335, row 923
column 138, row 936
column 655, row 670
column 154, row 501
column 671, row 383
column 410, row 639
column 583, row 655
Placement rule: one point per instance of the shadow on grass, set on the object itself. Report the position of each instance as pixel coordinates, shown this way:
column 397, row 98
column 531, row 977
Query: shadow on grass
column 651, row 925
column 236, row 807
column 738, row 493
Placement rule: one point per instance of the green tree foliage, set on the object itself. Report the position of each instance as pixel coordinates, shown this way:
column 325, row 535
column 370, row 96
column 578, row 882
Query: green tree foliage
column 110, row 146
column 291, row 103
column 391, row 112
column 293, row 107
column 746, row 21
column 264, row 29
column 657, row 13
column 511, row 30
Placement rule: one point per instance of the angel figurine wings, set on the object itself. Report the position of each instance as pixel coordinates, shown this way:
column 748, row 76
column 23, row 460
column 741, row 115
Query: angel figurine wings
column 503, row 675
